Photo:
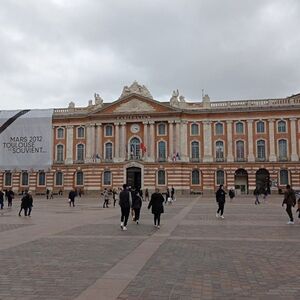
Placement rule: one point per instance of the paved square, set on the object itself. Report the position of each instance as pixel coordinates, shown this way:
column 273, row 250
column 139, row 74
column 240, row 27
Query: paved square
column 81, row 253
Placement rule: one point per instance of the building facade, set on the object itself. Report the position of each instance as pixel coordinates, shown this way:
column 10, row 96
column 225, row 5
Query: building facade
column 194, row 146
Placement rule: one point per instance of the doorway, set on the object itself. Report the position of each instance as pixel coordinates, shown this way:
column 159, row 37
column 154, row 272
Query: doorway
column 263, row 180
column 241, row 181
column 134, row 177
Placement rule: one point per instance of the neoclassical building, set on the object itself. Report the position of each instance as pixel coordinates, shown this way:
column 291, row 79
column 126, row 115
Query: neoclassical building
column 194, row 146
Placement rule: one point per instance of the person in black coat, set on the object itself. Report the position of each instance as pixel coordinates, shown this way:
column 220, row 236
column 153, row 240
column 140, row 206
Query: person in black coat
column 156, row 203
column 72, row 196
column 30, row 203
column 136, row 205
column 24, row 204
column 1, row 199
column 125, row 203
column 10, row 195
column 220, row 198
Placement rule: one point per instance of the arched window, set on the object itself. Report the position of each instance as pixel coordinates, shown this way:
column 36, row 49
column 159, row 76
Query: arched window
column 195, row 177
column 161, row 177
column 161, row 129
column 195, row 150
column 42, row 178
column 195, row 129
column 60, row 153
column 239, row 127
column 240, row 151
column 260, row 127
column 135, row 148
column 80, row 132
column 24, row 178
column 79, row 178
column 108, row 130
column 7, row 178
column 219, row 151
column 220, row 177
column 80, row 152
column 284, row 177
column 162, row 151
column 108, row 151
column 261, row 150
column 281, row 126
column 60, row 133
column 282, row 147
column 219, row 128
column 107, row 178
column 59, row 178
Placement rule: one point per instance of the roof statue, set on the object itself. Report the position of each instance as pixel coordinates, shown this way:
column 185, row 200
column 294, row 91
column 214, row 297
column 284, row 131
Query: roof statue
column 71, row 105
column 136, row 88
column 98, row 100
column 174, row 98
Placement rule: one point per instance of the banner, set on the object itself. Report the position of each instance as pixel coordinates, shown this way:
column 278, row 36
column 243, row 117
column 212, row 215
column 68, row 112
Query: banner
column 26, row 139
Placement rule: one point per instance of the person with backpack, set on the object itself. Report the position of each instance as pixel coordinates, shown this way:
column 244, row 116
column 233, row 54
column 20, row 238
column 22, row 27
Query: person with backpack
column 125, row 204
column 156, row 203
column 289, row 200
column 220, row 198
column 136, row 205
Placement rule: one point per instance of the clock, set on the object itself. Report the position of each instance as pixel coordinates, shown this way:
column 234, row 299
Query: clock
column 135, row 128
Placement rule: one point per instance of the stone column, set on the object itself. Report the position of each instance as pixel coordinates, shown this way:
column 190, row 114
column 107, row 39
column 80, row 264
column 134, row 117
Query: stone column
column 272, row 156
column 98, row 139
column 145, row 140
column 123, row 141
column 69, row 150
column 117, row 142
column 251, row 157
column 184, row 142
column 294, row 155
column 171, row 140
column 230, row 157
column 207, row 157
column 177, row 137
column 90, row 135
column 152, row 141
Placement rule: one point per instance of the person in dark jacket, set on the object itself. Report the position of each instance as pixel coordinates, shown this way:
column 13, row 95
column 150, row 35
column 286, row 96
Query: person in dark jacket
column 231, row 194
column 136, row 205
column 290, row 201
column 30, row 203
column 24, row 204
column 10, row 195
column 125, row 203
column 156, row 203
column 256, row 193
column 220, row 198
column 72, row 196
column 1, row 199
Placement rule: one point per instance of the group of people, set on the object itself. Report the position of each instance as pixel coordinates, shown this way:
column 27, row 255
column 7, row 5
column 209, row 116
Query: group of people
column 9, row 195
column 26, row 204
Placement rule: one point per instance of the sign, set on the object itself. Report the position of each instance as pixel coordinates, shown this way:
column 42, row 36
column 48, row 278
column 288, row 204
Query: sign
column 26, row 139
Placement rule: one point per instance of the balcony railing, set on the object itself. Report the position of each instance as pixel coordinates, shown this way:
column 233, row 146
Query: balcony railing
column 220, row 159
column 78, row 161
column 260, row 159
column 194, row 159
column 282, row 158
column 58, row 161
column 108, row 160
column 134, row 157
column 240, row 159
column 162, row 159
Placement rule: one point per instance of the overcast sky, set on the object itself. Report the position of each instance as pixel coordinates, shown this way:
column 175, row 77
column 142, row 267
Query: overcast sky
column 57, row 51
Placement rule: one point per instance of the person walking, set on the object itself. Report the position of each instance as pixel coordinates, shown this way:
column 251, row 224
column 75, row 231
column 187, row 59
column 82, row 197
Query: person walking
column 47, row 193
column 256, row 194
column 157, row 207
column 125, row 204
column 1, row 199
column 231, row 194
column 72, row 196
column 30, row 203
column 114, row 194
column 146, row 195
column 106, row 198
column 136, row 205
column 10, row 195
column 167, row 195
column 24, row 204
column 173, row 193
column 220, row 198
column 290, row 201
column 298, row 209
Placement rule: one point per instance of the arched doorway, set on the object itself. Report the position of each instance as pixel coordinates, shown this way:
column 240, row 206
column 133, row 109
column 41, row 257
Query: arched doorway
column 134, row 177
column 263, row 180
column 241, row 181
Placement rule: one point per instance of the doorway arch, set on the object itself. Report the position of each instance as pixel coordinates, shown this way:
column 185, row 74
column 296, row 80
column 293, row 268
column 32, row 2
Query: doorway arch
column 263, row 180
column 134, row 177
column 241, row 181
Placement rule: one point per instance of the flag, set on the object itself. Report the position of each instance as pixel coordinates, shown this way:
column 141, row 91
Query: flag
column 143, row 147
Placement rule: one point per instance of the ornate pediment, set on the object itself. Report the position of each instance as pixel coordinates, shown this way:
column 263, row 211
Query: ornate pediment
column 134, row 105
column 136, row 88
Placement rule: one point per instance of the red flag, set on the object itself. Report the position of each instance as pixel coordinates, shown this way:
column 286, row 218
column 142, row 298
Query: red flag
column 143, row 147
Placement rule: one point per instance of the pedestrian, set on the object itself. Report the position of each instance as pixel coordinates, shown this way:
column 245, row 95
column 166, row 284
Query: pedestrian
column 72, row 196
column 10, row 195
column 136, row 205
column 1, row 199
column 51, row 195
column 79, row 193
column 141, row 194
column 290, row 201
column 298, row 209
column 220, row 198
column 30, row 203
column 114, row 194
column 231, row 194
column 173, row 193
column 157, row 207
column 146, row 195
column 47, row 193
column 24, row 204
column 106, row 198
column 256, row 194
column 167, row 195
column 125, row 204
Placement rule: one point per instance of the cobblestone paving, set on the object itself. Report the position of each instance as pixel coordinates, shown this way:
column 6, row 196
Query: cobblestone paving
column 6, row 227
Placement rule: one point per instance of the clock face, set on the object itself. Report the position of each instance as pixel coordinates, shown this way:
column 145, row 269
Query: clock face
column 135, row 128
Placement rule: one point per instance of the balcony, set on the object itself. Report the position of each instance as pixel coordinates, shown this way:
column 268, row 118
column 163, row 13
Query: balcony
column 194, row 159
column 219, row 159
column 282, row 158
column 240, row 159
column 161, row 159
column 108, row 160
column 260, row 159
column 60, row 162
column 78, row 161
column 134, row 157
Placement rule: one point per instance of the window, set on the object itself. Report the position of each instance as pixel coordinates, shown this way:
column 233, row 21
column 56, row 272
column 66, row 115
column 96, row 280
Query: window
column 80, row 132
column 239, row 128
column 41, row 178
column 219, row 151
column 195, row 150
column 59, row 178
column 108, row 151
column 240, row 150
column 260, row 127
column 195, row 177
column 80, row 152
column 135, row 148
column 60, row 133
column 161, row 129
column 261, row 150
column 108, row 130
column 281, row 126
column 7, row 178
column 161, row 177
column 284, row 177
column 107, row 178
column 195, row 129
column 24, row 178
column 79, row 178
column 60, row 153
column 220, row 177
column 282, row 147
column 219, row 128
column 161, row 150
